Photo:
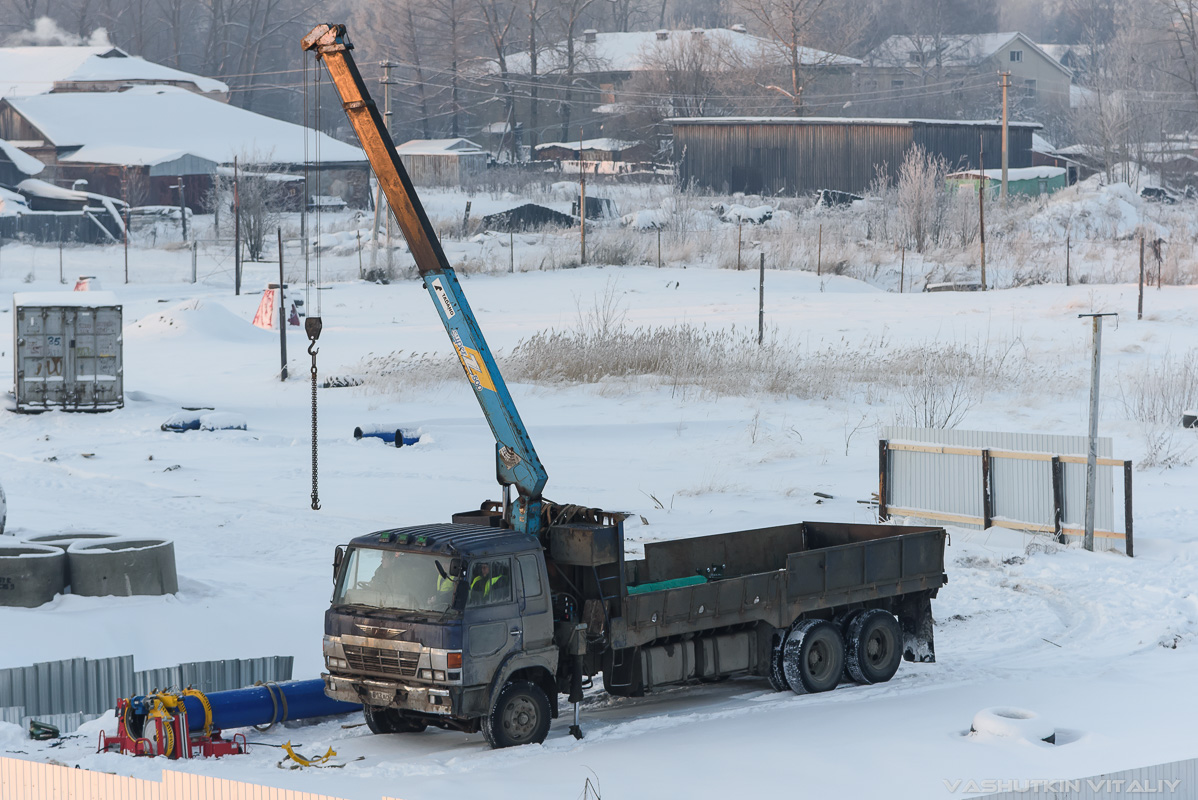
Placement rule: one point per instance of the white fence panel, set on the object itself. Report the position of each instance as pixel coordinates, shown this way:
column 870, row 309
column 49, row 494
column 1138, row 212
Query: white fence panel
column 32, row 780
column 1021, row 489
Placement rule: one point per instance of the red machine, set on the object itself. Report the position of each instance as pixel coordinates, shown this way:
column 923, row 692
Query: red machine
column 157, row 725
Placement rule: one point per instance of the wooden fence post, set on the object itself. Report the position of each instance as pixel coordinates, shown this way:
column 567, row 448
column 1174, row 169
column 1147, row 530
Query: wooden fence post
column 1127, row 531
column 883, row 462
column 1058, row 499
column 987, row 492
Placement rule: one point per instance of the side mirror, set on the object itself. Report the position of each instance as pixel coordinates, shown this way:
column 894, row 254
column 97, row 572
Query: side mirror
column 338, row 557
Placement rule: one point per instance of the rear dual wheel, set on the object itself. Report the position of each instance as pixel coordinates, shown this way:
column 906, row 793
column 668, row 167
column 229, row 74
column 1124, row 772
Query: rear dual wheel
column 813, row 656
column 873, row 646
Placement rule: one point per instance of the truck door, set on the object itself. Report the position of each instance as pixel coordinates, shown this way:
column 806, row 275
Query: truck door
column 493, row 625
column 535, row 608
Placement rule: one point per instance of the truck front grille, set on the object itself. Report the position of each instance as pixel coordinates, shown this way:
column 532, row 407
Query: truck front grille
column 399, row 663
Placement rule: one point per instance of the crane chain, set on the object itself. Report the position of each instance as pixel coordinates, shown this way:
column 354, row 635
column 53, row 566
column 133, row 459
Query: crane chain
column 312, row 326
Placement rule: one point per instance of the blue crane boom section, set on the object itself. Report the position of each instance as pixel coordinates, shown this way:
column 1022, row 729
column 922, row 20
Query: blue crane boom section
column 516, row 460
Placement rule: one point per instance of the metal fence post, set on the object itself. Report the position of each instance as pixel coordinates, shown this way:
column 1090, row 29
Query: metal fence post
column 1127, row 532
column 1058, row 499
column 987, row 493
column 883, row 465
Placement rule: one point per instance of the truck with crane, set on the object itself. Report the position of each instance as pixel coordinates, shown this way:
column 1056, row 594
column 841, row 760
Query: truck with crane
column 481, row 624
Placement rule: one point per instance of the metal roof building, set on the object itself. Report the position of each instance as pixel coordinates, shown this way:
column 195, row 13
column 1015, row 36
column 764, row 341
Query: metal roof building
column 799, row 155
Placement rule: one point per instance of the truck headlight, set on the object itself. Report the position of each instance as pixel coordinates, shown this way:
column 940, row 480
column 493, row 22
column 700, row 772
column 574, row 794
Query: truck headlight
column 336, row 663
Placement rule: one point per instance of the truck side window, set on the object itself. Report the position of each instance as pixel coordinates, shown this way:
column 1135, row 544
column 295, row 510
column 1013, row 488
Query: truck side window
column 531, row 575
column 490, row 582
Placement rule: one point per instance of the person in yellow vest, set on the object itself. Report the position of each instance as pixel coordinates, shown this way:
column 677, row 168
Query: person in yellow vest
column 482, row 583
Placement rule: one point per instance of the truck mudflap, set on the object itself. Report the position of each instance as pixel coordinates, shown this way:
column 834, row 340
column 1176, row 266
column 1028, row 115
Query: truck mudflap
column 390, row 694
column 914, row 613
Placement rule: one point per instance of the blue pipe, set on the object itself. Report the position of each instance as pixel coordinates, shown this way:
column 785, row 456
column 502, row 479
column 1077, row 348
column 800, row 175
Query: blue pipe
column 391, row 434
column 262, row 705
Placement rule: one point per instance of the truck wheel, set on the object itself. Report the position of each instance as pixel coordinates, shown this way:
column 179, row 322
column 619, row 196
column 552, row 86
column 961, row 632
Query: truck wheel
column 873, row 646
column 776, row 676
column 520, row 716
column 813, row 656
column 391, row 720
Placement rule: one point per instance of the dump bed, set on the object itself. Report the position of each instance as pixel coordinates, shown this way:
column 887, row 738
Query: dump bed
column 774, row 575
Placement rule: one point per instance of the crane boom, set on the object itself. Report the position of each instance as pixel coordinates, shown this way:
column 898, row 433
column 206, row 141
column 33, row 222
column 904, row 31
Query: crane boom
column 516, row 460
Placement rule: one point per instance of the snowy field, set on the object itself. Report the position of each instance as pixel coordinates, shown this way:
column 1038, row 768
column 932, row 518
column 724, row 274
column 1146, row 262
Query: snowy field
column 1102, row 645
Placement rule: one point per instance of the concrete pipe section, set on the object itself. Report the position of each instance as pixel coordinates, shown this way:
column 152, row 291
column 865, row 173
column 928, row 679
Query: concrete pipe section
column 67, row 538
column 122, row 567
column 31, row 574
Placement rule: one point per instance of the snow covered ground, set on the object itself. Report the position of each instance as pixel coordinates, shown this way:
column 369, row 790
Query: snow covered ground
column 1102, row 645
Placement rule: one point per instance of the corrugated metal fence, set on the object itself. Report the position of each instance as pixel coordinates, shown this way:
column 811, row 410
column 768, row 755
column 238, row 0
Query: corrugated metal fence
column 29, row 780
column 68, row 693
column 1031, row 482
column 1177, row 779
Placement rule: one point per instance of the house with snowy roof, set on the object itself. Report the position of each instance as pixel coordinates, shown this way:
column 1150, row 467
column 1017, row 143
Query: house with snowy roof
column 962, row 71
column 26, row 71
column 596, row 85
column 141, row 140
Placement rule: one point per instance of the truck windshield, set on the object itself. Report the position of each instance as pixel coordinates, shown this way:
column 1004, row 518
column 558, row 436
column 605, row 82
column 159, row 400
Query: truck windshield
column 396, row 580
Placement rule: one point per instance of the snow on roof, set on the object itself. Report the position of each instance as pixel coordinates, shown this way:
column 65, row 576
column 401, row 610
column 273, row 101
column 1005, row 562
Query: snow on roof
column 34, row 70
column 11, row 203
column 40, row 188
column 634, row 50
column 428, row 147
column 22, row 160
column 72, row 299
column 148, row 124
column 1014, row 174
column 954, row 50
column 609, row 145
column 842, row 121
column 1040, row 144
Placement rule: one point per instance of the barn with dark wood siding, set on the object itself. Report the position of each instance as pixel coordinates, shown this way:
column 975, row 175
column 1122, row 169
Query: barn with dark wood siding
column 800, row 155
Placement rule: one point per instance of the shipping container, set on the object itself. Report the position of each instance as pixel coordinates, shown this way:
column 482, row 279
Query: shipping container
column 68, row 351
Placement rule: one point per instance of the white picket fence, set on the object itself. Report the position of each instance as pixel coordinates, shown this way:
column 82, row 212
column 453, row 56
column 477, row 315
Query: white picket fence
column 32, row 780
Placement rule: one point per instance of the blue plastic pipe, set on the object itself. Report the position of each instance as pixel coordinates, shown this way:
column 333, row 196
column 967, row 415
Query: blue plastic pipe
column 391, row 434
column 262, row 705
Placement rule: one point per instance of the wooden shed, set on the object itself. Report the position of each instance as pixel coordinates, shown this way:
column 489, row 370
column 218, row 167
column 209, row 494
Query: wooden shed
column 799, row 155
column 442, row 162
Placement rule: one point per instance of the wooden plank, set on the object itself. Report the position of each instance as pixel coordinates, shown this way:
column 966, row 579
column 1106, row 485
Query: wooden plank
column 1102, row 462
column 1058, row 498
column 987, row 492
column 883, row 466
column 941, row 449
column 1014, row 454
column 936, row 515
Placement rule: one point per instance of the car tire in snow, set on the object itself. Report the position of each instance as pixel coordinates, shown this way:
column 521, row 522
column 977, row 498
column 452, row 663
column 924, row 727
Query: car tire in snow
column 1013, row 723
column 520, row 716
column 813, row 656
column 873, row 646
column 391, row 720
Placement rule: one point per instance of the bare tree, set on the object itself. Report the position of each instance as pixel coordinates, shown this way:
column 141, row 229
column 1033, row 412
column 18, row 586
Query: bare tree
column 570, row 15
column 498, row 16
column 796, row 27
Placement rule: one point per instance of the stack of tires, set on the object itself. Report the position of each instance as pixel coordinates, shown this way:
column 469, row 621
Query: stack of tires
column 816, row 654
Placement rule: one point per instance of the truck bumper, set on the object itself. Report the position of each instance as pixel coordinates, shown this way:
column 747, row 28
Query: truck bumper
column 390, row 694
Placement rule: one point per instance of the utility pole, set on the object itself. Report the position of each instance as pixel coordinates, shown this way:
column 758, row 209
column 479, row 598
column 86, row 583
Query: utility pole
column 982, row 205
column 582, row 199
column 1005, row 84
column 1092, row 453
column 236, row 233
column 282, row 313
column 1068, row 246
column 182, row 207
column 1140, row 302
column 387, row 84
column 761, row 302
